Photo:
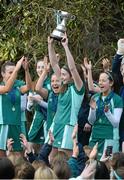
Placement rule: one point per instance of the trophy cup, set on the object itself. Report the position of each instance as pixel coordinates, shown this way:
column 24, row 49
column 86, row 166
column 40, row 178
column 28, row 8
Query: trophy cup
column 60, row 30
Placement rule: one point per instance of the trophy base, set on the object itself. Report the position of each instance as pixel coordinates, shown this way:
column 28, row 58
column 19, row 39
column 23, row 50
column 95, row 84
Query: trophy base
column 56, row 37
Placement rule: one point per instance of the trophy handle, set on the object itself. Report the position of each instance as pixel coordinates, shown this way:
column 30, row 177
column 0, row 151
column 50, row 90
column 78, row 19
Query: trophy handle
column 58, row 17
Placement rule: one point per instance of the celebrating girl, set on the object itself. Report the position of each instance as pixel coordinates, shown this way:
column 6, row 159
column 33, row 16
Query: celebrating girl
column 70, row 97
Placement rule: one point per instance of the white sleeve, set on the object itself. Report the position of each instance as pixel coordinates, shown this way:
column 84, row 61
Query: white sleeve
column 43, row 104
column 92, row 116
column 23, row 102
column 30, row 105
column 115, row 117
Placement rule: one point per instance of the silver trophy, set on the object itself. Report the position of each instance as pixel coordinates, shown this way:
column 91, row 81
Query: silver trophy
column 60, row 30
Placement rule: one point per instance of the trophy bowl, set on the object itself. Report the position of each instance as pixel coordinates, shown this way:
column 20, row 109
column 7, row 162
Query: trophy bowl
column 58, row 33
column 60, row 30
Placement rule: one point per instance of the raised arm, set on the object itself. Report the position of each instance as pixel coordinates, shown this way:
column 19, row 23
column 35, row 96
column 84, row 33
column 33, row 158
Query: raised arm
column 91, row 86
column 106, row 64
column 71, row 64
column 53, row 58
column 7, row 87
column 39, row 86
column 92, row 112
column 28, row 80
column 116, row 62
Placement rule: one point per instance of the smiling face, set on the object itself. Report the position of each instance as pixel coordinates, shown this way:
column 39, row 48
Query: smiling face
column 105, row 84
column 40, row 67
column 55, row 84
column 7, row 73
column 65, row 76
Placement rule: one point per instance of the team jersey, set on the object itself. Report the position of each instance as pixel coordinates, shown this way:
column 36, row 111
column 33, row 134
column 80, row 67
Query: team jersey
column 102, row 127
column 10, row 105
column 65, row 118
column 68, row 105
column 36, row 131
column 52, row 107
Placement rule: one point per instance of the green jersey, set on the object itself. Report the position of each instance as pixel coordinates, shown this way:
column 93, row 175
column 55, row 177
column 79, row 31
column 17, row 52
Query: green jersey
column 68, row 107
column 52, row 106
column 102, row 127
column 10, row 105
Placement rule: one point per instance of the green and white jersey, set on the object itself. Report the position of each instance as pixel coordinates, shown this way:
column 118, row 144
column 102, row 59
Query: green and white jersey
column 102, row 127
column 65, row 118
column 36, row 131
column 10, row 105
column 68, row 106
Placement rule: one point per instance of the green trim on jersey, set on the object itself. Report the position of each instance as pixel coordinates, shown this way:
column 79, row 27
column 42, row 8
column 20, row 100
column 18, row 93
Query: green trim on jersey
column 67, row 111
column 50, row 112
column 10, row 131
column 36, row 131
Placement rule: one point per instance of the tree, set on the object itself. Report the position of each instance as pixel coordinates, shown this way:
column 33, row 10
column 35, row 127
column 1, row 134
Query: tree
column 26, row 25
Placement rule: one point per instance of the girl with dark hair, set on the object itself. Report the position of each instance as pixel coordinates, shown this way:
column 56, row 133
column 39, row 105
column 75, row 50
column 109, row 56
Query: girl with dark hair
column 69, row 100
column 105, row 113
column 7, row 169
column 37, row 130
column 10, row 103
column 51, row 96
column 102, row 171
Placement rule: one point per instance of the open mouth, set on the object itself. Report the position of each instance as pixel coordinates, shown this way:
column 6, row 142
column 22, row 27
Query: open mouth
column 101, row 87
column 55, row 88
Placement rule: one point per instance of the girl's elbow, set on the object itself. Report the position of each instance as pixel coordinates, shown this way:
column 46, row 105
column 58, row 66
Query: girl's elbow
column 116, row 125
column 91, row 121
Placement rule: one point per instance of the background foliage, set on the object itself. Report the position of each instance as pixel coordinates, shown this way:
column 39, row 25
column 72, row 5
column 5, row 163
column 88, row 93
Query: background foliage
column 25, row 26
